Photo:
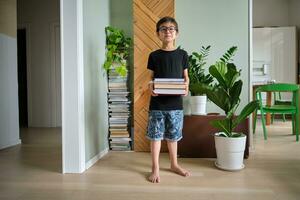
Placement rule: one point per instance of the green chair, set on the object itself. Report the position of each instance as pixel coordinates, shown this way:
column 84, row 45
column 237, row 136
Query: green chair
column 279, row 109
column 279, row 101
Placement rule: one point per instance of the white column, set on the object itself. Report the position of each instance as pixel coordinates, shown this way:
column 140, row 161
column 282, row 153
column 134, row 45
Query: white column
column 72, row 86
column 250, row 94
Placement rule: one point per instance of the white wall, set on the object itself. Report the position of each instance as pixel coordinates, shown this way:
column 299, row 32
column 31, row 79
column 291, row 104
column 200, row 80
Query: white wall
column 96, row 18
column 9, row 112
column 221, row 24
column 41, row 20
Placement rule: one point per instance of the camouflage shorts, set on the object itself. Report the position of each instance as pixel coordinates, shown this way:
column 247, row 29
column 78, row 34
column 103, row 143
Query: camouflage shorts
column 165, row 125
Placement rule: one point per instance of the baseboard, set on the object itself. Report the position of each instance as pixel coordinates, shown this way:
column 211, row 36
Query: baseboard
column 91, row 162
column 10, row 144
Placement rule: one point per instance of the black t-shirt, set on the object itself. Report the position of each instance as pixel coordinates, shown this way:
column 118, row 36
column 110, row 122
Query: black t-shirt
column 167, row 64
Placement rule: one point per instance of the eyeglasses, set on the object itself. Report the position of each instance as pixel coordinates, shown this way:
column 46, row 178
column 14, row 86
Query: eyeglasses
column 165, row 29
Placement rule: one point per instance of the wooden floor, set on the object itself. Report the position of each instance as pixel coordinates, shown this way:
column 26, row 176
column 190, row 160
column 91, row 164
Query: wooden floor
column 33, row 171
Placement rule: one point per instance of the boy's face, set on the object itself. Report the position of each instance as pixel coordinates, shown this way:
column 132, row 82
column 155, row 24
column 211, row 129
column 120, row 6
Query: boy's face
column 167, row 32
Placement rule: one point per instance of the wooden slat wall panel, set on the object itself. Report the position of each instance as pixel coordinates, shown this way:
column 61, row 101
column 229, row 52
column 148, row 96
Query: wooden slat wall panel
column 145, row 15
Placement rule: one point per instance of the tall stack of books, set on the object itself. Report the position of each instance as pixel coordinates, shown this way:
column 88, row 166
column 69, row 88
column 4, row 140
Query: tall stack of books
column 119, row 112
column 169, row 86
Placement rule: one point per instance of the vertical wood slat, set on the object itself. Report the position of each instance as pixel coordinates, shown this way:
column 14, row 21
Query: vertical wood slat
column 145, row 15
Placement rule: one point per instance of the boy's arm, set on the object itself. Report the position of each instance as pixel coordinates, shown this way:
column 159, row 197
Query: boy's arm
column 187, row 81
column 151, row 85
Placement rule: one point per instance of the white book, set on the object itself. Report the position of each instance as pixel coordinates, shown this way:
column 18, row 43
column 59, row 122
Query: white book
column 120, row 139
column 168, row 80
column 118, row 129
column 119, row 136
column 169, row 91
column 118, row 93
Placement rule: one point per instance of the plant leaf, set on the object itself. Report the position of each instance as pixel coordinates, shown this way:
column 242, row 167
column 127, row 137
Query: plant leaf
column 248, row 109
column 121, row 70
column 222, row 125
column 236, row 135
column 235, row 92
column 118, row 47
column 232, row 74
column 218, row 96
column 196, row 71
column 218, row 71
column 229, row 54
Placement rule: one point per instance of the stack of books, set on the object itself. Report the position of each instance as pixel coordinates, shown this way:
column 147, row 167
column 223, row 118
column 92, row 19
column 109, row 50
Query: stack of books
column 119, row 112
column 169, row 86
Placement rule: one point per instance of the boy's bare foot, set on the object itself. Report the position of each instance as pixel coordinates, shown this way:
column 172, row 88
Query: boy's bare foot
column 178, row 170
column 154, row 176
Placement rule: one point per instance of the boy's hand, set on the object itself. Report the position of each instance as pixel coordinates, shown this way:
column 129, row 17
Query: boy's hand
column 186, row 83
column 151, row 87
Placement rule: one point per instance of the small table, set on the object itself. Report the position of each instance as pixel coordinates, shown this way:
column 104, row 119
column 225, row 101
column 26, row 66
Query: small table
column 198, row 136
column 269, row 102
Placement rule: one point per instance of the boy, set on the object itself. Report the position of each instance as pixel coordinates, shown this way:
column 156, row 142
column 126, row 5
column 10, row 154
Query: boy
column 166, row 112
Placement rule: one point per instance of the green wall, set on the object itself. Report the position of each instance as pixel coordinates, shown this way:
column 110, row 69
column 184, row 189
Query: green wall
column 121, row 15
column 220, row 24
column 97, row 15
column 96, row 18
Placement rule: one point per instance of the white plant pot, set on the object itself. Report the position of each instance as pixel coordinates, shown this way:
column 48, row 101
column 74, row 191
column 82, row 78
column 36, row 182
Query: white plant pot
column 230, row 152
column 198, row 105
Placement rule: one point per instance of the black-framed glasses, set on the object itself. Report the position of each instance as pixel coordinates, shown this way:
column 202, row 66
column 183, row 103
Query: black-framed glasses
column 164, row 29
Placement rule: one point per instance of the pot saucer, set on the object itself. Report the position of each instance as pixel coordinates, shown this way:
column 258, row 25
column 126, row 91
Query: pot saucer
column 228, row 169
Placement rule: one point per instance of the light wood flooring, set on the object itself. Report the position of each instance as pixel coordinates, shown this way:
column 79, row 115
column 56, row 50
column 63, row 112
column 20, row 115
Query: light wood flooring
column 32, row 171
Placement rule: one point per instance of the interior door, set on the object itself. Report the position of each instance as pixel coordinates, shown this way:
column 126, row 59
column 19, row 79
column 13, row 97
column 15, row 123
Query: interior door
column 261, row 55
column 284, row 54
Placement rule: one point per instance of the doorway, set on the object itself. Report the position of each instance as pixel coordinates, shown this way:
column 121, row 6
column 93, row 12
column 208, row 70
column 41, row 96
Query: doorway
column 22, row 78
column 39, row 82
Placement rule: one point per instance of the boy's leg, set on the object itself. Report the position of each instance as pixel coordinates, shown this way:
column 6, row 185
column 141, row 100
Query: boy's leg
column 174, row 125
column 155, row 134
column 172, row 146
column 155, row 150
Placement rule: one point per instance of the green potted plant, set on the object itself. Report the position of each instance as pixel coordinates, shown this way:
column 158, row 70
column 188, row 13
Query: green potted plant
column 230, row 146
column 198, row 77
column 117, row 50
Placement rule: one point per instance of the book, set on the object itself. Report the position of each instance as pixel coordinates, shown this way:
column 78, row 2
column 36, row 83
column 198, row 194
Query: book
column 168, row 86
column 118, row 93
column 119, row 135
column 119, row 105
column 120, row 139
column 168, row 80
column 111, row 129
column 120, row 132
column 120, row 146
column 169, row 91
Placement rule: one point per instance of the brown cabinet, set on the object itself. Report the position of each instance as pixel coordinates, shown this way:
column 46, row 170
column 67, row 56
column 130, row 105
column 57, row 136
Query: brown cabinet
column 198, row 137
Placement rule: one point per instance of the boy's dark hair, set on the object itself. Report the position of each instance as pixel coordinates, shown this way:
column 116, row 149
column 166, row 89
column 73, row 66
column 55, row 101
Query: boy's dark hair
column 165, row 20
